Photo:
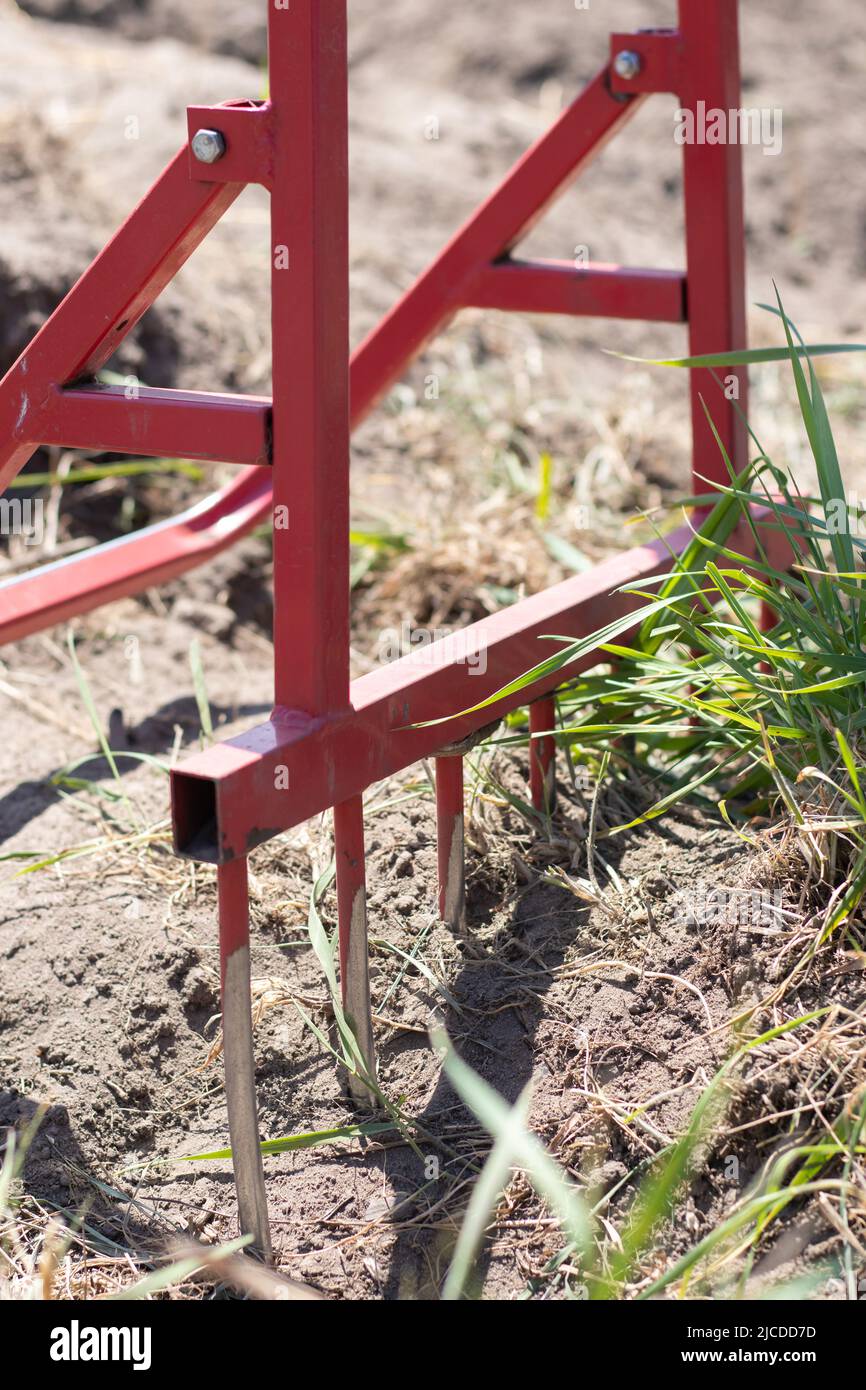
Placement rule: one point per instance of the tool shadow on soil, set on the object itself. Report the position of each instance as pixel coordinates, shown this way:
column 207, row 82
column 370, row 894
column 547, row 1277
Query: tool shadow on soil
column 26, row 801
column 502, row 995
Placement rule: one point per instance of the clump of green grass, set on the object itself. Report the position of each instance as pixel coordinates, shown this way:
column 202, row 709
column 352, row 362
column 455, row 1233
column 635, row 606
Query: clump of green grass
column 755, row 718
column 736, row 682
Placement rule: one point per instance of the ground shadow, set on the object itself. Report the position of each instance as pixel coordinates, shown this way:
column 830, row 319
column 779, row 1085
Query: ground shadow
column 154, row 736
column 57, row 1183
column 502, row 993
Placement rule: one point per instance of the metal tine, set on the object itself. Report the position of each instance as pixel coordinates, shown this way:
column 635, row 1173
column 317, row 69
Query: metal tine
column 354, row 958
column 542, row 754
column 238, row 1056
column 450, row 841
column 451, row 826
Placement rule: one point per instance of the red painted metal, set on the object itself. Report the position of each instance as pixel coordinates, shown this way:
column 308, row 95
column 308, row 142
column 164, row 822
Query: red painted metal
column 127, row 565
column 663, row 56
column 310, row 320
column 105, row 305
column 450, row 841
column 247, row 128
column 135, row 419
column 542, row 754
column 489, row 236
column 715, row 233
column 554, row 287
column 234, row 911
column 327, row 740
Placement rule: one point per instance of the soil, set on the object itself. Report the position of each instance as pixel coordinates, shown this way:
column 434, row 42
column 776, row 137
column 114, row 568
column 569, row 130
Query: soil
column 109, row 997
column 108, row 991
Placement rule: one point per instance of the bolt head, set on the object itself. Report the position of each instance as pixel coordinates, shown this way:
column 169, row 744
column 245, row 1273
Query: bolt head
column 626, row 65
column 208, row 146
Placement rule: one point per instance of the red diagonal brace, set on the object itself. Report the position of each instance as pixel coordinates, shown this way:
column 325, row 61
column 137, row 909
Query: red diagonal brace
column 508, row 215
column 106, row 303
column 122, row 567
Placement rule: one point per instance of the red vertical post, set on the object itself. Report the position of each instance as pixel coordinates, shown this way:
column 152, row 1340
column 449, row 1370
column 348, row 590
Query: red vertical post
column 238, row 1056
column 310, row 325
column 542, row 754
column 310, row 328
column 715, row 229
column 352, row 915
column 450, row 841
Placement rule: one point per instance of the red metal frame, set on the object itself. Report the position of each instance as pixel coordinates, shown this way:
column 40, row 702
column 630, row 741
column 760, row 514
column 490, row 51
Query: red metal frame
column 43, row 401
column 328, row 740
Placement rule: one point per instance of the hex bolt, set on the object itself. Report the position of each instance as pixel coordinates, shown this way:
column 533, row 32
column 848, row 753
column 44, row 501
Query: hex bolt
column 626, row 65
column 208, row 146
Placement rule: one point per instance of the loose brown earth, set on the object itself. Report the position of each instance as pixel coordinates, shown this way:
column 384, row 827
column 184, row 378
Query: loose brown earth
column 108, row 986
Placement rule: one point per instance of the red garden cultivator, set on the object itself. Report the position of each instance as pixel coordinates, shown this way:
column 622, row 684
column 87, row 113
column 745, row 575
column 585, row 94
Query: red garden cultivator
column 328, row 739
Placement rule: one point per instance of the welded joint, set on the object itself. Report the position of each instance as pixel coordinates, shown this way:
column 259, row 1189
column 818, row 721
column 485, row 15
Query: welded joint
column 231, row 143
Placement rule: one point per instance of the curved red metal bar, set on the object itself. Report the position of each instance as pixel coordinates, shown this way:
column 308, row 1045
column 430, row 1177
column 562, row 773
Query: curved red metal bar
column 62, row 589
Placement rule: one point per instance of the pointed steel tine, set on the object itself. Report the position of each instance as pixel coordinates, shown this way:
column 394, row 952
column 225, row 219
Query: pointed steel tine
column 238, row 1056
column 542, row 755
column 352, row 915
column 450, row 841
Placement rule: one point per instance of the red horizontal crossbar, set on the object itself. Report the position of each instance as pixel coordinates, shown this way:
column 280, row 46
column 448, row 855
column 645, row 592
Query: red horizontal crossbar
column 278, row 774
column 557, row 287
column 160, row 423
column 238, row 794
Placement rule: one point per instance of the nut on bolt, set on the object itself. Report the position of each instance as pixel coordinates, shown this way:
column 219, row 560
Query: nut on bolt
column 208, row 146
column 626, row 64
